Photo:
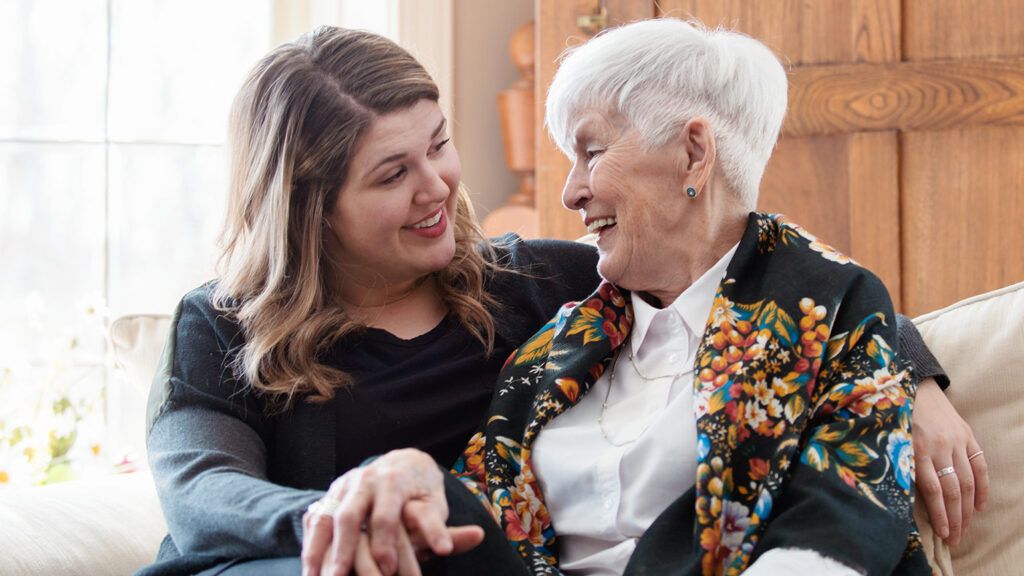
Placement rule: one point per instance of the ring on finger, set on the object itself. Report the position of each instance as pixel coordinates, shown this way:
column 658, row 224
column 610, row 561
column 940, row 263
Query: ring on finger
column 975, row 455
column 945, row 471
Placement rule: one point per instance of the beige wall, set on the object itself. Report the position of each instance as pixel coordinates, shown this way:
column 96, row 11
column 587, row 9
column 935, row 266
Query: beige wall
column 482, row 68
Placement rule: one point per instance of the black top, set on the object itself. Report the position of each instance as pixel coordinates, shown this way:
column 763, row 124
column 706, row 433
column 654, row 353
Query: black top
column 422, row 393
column 234, row 483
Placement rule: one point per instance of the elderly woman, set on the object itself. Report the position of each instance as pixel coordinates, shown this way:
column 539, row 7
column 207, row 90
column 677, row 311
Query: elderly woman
column 730, row 399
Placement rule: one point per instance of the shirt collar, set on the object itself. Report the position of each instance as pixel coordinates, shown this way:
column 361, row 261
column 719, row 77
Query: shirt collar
column 692, row 306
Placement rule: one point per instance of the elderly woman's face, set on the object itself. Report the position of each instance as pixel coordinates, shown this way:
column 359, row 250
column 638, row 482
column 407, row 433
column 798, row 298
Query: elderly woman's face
column 632, row 197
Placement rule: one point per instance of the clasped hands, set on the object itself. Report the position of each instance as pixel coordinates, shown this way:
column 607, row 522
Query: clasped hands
column 383, row 519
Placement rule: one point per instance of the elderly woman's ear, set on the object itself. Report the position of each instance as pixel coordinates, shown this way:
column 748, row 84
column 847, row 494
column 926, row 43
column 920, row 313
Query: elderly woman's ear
column 697, row 160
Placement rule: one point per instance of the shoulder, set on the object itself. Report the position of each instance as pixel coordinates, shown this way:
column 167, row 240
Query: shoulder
column 560, row 270
column 198, row 311
column 816, row 258
column 554, row 255
column 535, row 278
column 798, row 265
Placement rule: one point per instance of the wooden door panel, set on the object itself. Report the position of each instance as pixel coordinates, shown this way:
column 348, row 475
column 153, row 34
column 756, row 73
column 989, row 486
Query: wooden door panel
column 805, row 32
column 963, row 214
column 845, row 190
column 944, row 29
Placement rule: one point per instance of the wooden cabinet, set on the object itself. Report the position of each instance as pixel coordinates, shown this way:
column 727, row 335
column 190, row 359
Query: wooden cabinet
column 904, row 141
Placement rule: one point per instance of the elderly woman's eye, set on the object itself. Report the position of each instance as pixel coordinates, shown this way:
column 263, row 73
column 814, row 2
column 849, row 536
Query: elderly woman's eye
column 592, row 153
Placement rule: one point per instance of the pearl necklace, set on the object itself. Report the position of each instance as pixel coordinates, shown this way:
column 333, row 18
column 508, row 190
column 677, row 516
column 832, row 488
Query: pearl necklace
column 608, row 393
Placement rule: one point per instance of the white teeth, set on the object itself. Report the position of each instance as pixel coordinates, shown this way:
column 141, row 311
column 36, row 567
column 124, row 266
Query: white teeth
column 600, row 223
column 429, row 221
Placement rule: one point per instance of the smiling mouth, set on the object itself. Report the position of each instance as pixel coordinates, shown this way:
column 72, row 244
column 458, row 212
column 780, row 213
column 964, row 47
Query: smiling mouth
column 427, row 222
column 600, row 224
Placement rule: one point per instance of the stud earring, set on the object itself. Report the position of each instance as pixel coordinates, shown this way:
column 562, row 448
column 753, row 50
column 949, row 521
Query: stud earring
column 691, row 192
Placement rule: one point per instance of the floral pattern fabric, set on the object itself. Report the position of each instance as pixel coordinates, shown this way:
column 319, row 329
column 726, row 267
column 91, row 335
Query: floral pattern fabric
column 798, row 390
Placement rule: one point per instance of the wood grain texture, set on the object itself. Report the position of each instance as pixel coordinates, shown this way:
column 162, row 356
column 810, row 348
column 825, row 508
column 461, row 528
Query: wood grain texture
column 877, row 31
column 962, row 29
column 801, row 32
column 874, row 207
column 962, row 214
column 905, row 96
column 556, row 31
column 845, row 190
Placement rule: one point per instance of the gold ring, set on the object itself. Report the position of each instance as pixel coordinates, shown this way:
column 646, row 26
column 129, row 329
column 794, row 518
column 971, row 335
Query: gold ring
column 975, row 455
column 946, row 471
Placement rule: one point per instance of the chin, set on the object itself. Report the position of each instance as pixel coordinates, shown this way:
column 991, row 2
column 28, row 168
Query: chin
column 607, row 269
column 442, row 255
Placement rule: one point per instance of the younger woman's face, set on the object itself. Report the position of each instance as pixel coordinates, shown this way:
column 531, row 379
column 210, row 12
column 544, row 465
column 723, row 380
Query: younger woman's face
column 392, row 223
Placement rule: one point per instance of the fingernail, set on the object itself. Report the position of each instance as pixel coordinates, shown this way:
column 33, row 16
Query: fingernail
column 944, row 533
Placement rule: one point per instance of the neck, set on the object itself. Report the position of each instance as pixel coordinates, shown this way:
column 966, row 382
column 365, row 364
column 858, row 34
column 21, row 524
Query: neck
column 707, row 240
column 406, row 311
column 356, row 296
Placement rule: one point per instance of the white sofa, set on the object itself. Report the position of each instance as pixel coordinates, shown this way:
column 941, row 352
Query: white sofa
column 114, row 526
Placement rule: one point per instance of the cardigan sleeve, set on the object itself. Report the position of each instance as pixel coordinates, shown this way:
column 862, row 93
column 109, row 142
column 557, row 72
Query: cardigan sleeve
column 207, row 454
column 913, row 348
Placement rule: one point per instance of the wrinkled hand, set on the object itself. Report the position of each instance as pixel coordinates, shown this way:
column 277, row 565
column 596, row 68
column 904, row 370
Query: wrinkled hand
column 941, row 440
column 391, row 511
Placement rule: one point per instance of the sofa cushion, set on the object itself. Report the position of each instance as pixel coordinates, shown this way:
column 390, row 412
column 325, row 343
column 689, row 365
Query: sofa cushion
column 980, row 343
column 135, row 345
column 97, row 526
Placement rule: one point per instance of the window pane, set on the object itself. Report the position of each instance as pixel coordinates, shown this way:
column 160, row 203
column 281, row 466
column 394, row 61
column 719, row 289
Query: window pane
column 53, row 54
column 175, row 66
column 51, row 240
column 166, row 207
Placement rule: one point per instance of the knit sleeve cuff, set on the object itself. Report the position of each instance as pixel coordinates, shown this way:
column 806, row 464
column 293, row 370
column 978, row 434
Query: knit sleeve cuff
column 913, row 348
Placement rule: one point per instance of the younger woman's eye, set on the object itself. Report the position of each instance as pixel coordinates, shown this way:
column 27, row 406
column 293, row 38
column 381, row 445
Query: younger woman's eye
column 442, row 144
column 395, row 177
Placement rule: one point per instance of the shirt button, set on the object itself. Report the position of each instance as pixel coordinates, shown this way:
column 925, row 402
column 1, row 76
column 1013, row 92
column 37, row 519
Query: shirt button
column 673, row 358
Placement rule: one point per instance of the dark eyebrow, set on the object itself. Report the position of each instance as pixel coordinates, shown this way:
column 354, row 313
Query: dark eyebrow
column 399, row 156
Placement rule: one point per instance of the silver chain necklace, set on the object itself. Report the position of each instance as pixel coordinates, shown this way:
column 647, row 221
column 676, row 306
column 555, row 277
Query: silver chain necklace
column 608, row 393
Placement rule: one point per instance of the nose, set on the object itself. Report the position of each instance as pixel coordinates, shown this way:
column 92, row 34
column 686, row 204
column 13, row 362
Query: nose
column 433, row 188
column 576, row 192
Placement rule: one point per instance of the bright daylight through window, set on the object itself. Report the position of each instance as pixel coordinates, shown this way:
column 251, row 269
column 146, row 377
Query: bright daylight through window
column 112, row 182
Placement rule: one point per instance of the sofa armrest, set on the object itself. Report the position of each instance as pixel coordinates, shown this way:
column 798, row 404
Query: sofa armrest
column 111, row 525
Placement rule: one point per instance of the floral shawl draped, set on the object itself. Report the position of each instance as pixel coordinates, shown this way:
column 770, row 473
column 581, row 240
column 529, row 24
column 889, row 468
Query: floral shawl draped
column 802, row 410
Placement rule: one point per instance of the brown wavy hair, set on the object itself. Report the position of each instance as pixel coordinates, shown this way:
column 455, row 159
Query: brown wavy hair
column 295, row 125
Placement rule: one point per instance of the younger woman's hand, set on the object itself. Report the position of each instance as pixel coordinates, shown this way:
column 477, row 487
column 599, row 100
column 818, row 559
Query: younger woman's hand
column 397, row 503
column 952, row 475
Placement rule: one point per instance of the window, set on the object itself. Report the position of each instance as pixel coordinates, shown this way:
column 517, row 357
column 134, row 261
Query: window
column 112, row 185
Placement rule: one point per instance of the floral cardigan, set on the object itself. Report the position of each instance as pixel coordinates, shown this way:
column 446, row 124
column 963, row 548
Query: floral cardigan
column 803, row 417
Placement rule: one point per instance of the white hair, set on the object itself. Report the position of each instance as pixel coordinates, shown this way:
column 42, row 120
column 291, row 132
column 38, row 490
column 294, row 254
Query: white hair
column 661, row 73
